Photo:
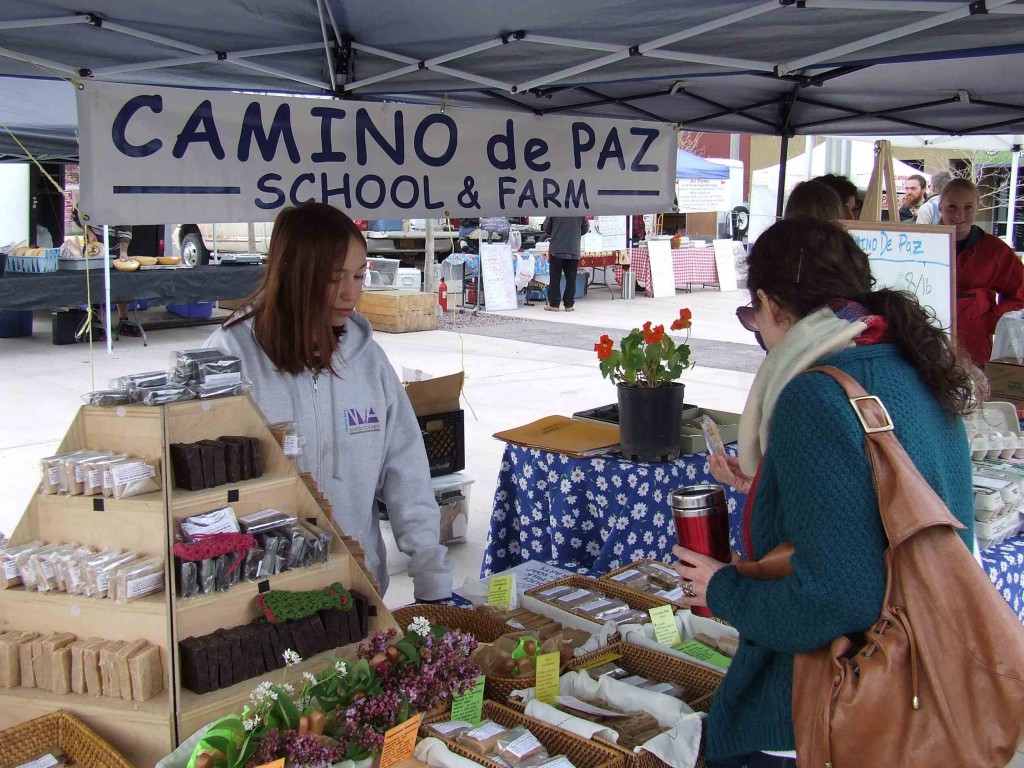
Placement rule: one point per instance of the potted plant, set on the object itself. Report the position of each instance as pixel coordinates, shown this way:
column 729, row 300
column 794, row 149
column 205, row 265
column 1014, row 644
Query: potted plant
column 645, row 369
column 339, row 715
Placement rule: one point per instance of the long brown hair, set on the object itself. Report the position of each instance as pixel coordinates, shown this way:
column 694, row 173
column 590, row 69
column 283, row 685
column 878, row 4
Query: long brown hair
column 804, row 264
column 812, row 198
column 291, row 308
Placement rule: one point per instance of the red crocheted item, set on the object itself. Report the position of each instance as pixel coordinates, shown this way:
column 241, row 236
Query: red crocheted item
column 210, row 545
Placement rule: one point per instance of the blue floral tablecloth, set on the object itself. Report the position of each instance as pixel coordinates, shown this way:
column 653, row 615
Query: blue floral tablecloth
column 595, row 515
column 589, row 515
column 1004, row 564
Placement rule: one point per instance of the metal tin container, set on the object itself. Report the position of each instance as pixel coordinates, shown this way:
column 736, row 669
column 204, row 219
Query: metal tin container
column 702, row 523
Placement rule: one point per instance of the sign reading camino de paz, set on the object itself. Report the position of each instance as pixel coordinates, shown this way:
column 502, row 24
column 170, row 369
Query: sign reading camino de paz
column 156, row 154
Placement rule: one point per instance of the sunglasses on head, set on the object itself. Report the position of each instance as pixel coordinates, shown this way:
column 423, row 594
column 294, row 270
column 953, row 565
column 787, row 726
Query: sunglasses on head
column 745, row 315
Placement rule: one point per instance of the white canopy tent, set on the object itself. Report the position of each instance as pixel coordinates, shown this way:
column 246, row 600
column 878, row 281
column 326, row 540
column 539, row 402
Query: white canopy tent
column 764, row 183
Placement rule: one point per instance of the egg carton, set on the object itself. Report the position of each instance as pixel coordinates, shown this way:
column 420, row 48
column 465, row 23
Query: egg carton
column 994, row 432
column 993, row 532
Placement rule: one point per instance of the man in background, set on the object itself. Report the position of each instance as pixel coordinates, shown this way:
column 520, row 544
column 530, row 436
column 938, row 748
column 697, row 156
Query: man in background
column 566, row 233
column 913, row 198
column 929, row 212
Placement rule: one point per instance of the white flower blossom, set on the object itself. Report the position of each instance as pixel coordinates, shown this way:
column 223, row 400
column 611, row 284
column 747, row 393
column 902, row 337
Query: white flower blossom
column 262, row 694
column 291, row 657
column 340, row 668
column 420, row 625
column 250, row 723
column 287, row 688
column 309, row 677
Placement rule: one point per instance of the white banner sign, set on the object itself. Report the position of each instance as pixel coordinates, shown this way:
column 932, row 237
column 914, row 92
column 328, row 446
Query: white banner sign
column 151, row 154
column 702, row 195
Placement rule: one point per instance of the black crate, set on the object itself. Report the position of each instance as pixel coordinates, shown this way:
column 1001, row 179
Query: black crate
column 67, row 323
column 444, row 435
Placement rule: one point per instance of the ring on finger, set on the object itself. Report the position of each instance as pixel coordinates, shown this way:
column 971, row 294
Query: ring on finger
column 688, row 589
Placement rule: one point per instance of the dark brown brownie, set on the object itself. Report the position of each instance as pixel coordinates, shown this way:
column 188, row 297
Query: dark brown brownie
column 194, row 670
column 188, row 466
column 214, row 470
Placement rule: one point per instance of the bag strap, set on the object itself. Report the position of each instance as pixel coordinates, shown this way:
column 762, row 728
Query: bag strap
column 906, row 503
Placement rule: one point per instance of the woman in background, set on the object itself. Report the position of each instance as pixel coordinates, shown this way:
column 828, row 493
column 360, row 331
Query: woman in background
column 814, row 199
column 312, row 360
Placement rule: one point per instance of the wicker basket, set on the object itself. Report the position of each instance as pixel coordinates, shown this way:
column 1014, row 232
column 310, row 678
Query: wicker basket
column 485, row 628
column 61, row 730
column 583, row 753
column 641, row 601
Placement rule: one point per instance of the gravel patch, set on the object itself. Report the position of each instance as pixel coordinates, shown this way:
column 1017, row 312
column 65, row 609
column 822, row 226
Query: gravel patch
column 465, row 321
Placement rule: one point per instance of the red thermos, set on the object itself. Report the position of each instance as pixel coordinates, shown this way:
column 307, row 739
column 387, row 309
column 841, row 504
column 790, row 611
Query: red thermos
column 702, row 523
column 442, row 295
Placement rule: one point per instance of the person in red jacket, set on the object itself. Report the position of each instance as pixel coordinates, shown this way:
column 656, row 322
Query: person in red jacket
column 989, row 276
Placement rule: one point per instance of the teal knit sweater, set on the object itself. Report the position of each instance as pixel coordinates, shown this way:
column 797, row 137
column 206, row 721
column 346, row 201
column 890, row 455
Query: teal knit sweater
column 816, row 491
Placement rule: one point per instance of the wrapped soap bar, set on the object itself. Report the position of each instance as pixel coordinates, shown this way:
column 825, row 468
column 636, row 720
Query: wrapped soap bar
column 208, row 576
column 187, row 465
column 551, row 593
column 85, row 571
column 322, row 548
column 99, row 576
column 136, row 477
column 109, row 674
column 728, row 645
column 214, row 468
column 26, row 563
column 72, row 474
column 636, row 680
column 287, row 435
column 148, row 379
column 216, row 521
column 25, row 666
column 451, row 729
column 67, row 569
column 272, row 544
column 223, row 369
column 138, row 579
column 10, row 576
column 242, row 387
column 10, row 665
column 631, row 617
column 483, row 739
column 518, row 745
column 669, row 689
column 252, row 568
column 52, row 467
column 161, row 394
column 575, row 597
column 664, row 576
column 602, row 608
column 610, row 668
column 146, row 673
column 106, row 397
column 93, row 471
column 187, row 579
column 43, row 649
column 632, row 578
column 77, row 649
column 186, row 361
column 296, row 547
column 266, row 520
column 91, row 664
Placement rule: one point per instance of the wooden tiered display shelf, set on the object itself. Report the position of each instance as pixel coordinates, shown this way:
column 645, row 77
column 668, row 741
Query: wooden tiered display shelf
column 147, row 731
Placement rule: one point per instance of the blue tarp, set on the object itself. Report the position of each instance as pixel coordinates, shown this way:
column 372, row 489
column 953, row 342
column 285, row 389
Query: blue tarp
column 690, row 166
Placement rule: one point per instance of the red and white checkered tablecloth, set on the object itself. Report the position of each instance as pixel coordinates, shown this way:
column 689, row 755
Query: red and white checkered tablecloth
column 689, row 265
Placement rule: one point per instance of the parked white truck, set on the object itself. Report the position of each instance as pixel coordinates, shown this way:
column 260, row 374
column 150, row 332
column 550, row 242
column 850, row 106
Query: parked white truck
column 214, row 243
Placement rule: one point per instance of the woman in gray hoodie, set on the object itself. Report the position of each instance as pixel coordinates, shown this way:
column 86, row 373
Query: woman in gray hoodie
column 311, row 359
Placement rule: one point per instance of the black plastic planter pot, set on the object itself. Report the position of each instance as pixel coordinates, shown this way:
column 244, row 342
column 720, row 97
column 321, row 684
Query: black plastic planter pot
column 649, row 422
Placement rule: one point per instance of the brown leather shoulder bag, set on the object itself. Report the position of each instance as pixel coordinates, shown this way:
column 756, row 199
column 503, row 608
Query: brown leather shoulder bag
column 939, row 679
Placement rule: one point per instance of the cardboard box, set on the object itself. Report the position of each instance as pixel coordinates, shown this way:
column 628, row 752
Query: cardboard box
column 1006, row 377
column 433, row 395
column 692, row 437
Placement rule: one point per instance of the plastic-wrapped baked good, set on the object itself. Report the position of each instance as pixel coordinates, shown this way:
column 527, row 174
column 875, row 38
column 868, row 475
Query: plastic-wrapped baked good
column 451, row 729
column 138, row 579
column 221, row 520
column 148, row 379
column 570, row 600
column 187, row 578
column 631, row 617
column 601, row 608
column 266, row 520
column 287, row 435
column 136, row 477
column 664, row 576
column 106, row 397
column 161, row 394
column 10, row 576
column 225, row 369
column 519, row 745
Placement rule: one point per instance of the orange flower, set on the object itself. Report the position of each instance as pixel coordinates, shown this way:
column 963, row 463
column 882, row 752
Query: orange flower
column 654, row 336
column 647, row 327
column 683, row 321
column 604, row 347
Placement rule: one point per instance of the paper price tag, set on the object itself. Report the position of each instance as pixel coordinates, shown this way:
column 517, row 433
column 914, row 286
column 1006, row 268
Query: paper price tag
column 500, row 590
column 470, row 706
column 399, row 742
column 547, row 676
column 699, row 651
column 665, row 630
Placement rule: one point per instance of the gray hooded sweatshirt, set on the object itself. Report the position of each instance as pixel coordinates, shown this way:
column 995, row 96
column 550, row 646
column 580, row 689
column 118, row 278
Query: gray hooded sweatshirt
column 361, row 441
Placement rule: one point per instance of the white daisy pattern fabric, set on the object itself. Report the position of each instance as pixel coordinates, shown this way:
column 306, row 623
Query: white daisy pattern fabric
column 1004, row 564
column 589, row 515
